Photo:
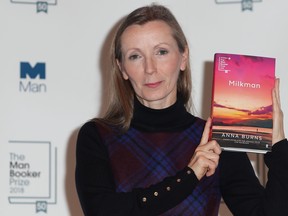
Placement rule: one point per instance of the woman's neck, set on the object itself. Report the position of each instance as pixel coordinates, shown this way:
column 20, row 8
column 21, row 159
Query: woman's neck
column 174, row 117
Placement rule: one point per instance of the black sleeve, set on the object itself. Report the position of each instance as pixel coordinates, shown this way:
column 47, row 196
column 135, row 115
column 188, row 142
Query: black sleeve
column 96, row 189
column 242, row 191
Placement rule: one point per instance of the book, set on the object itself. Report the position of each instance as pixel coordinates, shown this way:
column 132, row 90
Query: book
column 242, row 102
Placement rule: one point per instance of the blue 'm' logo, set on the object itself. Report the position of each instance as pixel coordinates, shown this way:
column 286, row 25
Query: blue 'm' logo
column 38, row 70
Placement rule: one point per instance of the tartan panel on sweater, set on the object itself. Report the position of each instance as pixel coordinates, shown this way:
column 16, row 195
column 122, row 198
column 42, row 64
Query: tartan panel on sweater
column 140, row 159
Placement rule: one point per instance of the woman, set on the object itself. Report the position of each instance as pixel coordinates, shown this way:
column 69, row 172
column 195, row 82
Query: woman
column 148, row 155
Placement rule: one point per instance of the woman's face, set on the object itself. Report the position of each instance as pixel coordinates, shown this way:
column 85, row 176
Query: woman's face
column 151, row 61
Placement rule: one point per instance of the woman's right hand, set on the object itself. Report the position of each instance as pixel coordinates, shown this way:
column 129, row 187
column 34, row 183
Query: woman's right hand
column 206, row 156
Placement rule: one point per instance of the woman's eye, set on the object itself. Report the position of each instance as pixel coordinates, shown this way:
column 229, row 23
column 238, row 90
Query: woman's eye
column 133, row 57
column 162, row 52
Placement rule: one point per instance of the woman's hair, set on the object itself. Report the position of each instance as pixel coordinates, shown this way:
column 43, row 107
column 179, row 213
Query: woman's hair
column 120, row 107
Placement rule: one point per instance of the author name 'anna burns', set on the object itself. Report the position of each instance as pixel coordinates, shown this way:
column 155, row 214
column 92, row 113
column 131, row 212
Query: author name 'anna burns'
column 241, row 136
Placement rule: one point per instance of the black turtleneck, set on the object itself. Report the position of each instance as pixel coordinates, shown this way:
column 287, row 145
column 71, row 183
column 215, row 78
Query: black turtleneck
column 173, row 118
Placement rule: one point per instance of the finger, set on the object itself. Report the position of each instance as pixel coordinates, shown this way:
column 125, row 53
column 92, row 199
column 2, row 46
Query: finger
column 204, row 162
column 276, row 95
column 206, row 132
column 215, row 147
column 207, row 159
column 210, row 172
column 278, row 123
column 211, row 146
column 276, row 101
column 212, row 156
column 212, row 165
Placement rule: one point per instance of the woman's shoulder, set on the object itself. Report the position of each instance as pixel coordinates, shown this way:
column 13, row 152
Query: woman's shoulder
column 91, row 140
column 98, row 126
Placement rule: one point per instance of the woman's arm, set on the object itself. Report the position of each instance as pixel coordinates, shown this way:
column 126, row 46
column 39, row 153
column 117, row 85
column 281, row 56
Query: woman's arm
column 242, row 191
column 240, row 187
column 96, row 189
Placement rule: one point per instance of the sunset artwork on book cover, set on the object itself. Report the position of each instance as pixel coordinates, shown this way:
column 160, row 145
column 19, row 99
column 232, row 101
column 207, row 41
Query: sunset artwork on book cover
column 242, row 102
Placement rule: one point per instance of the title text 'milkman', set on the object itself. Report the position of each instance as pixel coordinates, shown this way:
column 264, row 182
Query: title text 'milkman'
column 236, row 83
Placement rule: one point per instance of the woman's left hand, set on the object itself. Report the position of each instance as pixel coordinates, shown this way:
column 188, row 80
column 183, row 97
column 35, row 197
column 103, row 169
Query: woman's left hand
column 278, row 122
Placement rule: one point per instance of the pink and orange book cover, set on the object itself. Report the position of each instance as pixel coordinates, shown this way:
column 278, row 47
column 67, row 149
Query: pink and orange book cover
column 242, row 102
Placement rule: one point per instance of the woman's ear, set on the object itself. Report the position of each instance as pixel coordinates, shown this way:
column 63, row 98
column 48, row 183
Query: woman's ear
column 124, row 74
column 185, row 56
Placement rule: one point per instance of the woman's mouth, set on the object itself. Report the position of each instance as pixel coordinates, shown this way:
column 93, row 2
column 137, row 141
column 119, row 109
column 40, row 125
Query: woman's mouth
column 153, row 85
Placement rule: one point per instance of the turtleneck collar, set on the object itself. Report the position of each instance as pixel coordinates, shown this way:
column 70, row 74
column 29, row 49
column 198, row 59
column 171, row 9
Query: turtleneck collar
column 173, row 118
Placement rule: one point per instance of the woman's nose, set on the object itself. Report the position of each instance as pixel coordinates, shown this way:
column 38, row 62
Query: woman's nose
column 150, row 65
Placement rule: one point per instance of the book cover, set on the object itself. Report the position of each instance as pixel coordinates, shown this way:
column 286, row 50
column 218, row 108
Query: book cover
column 242, row 102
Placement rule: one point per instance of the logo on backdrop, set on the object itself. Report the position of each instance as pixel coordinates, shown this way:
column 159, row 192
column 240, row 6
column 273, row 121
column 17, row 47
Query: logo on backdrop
column 246, row 4
column 32, row 77
column 32, row 174
column 41, row 6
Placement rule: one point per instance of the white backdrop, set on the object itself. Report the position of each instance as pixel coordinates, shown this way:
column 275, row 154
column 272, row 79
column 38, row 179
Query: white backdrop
column 54, row 57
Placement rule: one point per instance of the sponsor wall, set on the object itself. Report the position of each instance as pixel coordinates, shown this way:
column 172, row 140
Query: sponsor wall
column 53, row 76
